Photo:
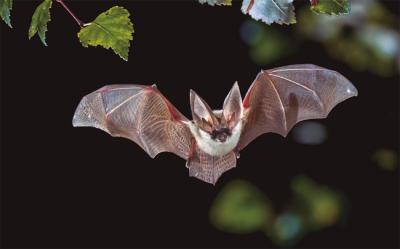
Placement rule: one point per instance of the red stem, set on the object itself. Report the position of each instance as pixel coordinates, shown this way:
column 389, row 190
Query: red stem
column 250, row 6
column 78, row 21
column 314, row 2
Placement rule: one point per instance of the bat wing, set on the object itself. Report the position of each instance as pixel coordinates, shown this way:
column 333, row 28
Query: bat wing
column 139, row 113
column 281, row 97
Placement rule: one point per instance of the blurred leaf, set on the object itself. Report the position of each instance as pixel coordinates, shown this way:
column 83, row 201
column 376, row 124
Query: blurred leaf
column 365, row 39
column 240, row 208
column 361, row 56
column 40, row 18
column 384, row 41
column 322, row 206
column 287, row 229
column 386, row 159
column 363, row 13
column 251, row 32
column 272, row 46
column 331, row 7
column 111, row 29
column 5, row 7
column 217, row 2
column 375, row 13
column 309, row 132
column 270, row 11
column 267, row 44
column 320, row 28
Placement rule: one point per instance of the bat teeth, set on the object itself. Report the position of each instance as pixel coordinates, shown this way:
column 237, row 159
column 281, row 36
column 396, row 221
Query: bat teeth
column 154, row 86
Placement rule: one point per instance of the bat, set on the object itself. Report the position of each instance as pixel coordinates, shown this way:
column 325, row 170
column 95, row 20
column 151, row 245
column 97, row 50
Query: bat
column 211, row 142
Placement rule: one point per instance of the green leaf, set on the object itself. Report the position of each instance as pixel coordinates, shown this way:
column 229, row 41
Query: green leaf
column 270, row 11
column 330, row 7
column 40, row 18
column 5, row 7
column 111, row 29
column 217, row 2
column 322, row 206
column 386, row 159
column 241, row 208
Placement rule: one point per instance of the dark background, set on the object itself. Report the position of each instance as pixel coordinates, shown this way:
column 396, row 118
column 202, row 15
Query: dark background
column 79, row 187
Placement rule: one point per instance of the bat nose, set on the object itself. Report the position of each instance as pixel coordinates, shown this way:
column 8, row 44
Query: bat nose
column 222, row 137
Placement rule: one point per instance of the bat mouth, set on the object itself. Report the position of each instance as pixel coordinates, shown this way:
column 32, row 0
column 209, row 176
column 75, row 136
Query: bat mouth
column 221, row 135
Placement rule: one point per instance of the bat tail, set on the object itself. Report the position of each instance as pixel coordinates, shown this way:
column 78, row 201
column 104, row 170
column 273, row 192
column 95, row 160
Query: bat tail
column 209, row 168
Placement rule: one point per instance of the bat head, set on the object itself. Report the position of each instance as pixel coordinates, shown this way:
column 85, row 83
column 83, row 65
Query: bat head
column 219, row 124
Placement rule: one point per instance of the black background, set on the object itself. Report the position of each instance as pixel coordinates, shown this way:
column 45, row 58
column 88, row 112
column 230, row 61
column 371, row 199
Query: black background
column 79, row 187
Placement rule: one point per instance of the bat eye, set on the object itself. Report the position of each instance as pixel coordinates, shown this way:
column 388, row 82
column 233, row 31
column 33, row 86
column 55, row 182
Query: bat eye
column 221, row 134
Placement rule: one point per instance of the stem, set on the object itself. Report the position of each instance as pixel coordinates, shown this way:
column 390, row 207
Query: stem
column 79, row 22
column 250, row 6
column 314, row 2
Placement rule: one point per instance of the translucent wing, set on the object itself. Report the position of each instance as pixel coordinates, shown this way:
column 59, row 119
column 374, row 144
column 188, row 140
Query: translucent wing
column 209, row 168
column 139, row 113
column 281, row 97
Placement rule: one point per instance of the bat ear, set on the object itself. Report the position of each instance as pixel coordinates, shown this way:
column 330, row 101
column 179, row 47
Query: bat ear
column 201, row 112
column 233, row 108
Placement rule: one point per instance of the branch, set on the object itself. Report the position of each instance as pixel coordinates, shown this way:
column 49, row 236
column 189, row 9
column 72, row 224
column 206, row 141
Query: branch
column 78, row 21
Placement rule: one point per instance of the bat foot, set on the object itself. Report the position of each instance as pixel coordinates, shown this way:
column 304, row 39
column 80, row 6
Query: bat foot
column 237, row 154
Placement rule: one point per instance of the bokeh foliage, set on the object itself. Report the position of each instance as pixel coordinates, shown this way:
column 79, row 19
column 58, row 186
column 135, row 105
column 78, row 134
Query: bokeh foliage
column 242, row 208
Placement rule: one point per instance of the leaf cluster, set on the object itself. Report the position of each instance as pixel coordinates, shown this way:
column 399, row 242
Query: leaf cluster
column 111, row 29
column 114, row 29
column 282, row 11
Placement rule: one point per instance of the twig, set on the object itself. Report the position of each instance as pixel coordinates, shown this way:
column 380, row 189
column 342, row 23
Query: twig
column 251, row 3
column 78, row 21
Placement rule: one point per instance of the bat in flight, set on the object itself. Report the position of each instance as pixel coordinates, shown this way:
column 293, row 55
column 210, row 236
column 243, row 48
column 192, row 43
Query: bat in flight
column 210, row 142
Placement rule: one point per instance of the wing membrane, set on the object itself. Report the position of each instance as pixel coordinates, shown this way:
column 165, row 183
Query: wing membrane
column 281, row 97
column 139, row 113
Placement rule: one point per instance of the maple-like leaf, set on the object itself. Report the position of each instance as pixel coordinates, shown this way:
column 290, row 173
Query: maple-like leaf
column 330, row 7
column 241, row 208
column 5, row 8
column 40, row 18
column 217, row 2
column 270, row 11
column 111, row 29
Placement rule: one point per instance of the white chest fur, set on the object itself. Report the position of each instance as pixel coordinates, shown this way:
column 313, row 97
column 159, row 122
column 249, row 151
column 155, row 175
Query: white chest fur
column 213, row 147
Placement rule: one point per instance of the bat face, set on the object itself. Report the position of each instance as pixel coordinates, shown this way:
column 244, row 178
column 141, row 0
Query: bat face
column 221, row 134
column 218, row 123
column 217, row 132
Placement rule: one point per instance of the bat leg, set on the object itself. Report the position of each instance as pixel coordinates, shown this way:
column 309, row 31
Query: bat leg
column 192, row 151
column 237, row 153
